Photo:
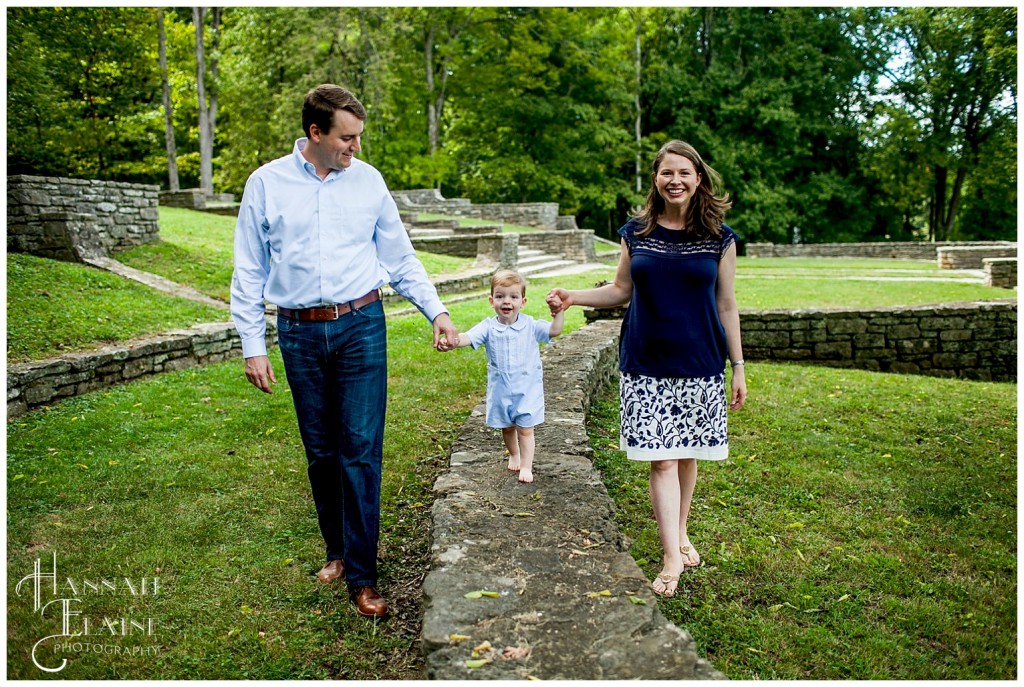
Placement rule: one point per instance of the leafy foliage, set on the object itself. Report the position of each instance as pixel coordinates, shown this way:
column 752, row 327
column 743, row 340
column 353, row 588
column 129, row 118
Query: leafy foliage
column 827, row 124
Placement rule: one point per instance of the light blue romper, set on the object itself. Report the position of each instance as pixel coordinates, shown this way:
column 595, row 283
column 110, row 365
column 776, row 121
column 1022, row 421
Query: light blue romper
column 515, row 380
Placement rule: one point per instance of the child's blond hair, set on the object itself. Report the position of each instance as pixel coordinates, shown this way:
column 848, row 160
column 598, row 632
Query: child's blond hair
column 507, row 278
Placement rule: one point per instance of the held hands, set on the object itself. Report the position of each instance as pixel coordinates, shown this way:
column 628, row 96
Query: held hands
column 446, row 336
column 558, row 300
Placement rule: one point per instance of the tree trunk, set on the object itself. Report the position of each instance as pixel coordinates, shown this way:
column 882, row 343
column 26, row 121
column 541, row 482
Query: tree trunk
column 432, row 115
column 936, row 224
column 636, row 102
column 954, row 201
column 707, row 23
column 172, row 153
column 205, row 144
column 212, row 87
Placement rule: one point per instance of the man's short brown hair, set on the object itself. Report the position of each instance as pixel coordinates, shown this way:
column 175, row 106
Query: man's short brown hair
column 321, row 103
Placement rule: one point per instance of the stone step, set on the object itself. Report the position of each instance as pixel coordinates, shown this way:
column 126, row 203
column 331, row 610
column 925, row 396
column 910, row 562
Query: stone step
column 540, row 257
column 436, row 224
column 536, row 268
column 416, row 232
column 574, row 268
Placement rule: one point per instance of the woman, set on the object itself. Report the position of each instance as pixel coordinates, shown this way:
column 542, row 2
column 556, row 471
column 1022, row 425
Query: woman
column 676, row 272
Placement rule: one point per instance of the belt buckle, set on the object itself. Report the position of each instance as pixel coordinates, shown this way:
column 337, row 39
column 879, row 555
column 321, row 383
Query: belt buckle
column 325, row 317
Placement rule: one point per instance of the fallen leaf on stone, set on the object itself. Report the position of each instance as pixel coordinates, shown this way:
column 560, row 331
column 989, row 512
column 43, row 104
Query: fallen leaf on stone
column 482, row 592
column 458, row 638
column 477, row 662
column 515, row 652
column 482, row 648
column 603, row 592
column 638, row 600
column 524, row 515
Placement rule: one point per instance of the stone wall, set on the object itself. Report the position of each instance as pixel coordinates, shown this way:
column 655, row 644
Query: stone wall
column 196, row 199
column 971, row 257
column 574, row 244
column 539, row 215
column 497, row 249
column 1000, row 272
column 542, row 550
column 64, row 218
column 900, row 250
column 969, row 340
column 34, row 384
column 190, row 198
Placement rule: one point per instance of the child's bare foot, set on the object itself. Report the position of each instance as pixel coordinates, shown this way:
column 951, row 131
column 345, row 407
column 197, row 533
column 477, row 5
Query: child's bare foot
column 513, row 463
column 526, row 475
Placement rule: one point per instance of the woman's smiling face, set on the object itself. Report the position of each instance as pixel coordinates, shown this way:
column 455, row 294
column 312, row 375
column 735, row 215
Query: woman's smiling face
column 677, row 180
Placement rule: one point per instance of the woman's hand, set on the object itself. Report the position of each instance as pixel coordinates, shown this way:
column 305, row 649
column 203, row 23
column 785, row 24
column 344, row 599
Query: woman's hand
column 739, row 388
column 558, row 300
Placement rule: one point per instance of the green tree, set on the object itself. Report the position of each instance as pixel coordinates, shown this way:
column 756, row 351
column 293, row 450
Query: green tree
column 955, row 76
column 771, row 99
column 543, row 112
column 84, row 93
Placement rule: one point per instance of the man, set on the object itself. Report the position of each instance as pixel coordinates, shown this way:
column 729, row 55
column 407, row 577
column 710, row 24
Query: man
column 318, row 234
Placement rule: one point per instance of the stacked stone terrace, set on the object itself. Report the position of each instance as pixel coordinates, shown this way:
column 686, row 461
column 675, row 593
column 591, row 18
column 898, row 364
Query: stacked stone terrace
column 70, row 219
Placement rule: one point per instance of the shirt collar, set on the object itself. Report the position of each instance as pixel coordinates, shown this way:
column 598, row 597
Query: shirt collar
column 518, row 325
column 305, row 165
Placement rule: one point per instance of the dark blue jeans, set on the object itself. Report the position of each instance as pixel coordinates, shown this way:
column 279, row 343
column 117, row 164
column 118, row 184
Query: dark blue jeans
column 337, row 372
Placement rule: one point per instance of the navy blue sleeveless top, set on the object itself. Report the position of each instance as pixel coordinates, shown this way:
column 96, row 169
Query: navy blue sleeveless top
column 671, row 327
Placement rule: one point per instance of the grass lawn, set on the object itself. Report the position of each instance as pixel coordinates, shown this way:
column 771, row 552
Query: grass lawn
column 198, row 479
column 57, row 307
column 864, row 527
column 195, row 248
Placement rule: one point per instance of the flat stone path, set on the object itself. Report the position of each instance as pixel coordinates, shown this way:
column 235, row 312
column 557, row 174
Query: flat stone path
column 154, row 281
column 552, row 590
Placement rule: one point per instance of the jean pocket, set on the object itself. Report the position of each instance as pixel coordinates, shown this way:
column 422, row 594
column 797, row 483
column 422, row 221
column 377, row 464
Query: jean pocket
column 371, row 311
column 286, row 324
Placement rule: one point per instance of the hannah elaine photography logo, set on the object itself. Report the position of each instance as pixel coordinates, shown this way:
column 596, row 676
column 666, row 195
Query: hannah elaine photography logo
column 62, row 602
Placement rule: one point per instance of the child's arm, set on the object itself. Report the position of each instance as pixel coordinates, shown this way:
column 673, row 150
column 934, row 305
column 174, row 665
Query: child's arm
column 556, row 324
column 461, row 341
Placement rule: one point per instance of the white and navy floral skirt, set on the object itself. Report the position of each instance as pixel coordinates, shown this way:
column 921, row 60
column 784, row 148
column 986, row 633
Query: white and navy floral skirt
column 672, row 418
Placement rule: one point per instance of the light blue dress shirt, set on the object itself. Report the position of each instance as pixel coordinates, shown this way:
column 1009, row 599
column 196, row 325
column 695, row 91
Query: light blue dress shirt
column 303, row 242
column 515, row 378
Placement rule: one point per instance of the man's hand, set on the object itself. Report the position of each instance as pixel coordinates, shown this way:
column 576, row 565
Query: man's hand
column 259, row 373
column 443, row 325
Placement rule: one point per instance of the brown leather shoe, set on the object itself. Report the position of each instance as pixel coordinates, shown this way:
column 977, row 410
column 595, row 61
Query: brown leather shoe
column 369, row 603
column 332, row 571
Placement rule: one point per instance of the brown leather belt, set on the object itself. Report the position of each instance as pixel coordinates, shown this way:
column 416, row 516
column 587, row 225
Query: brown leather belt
column 329, row 312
